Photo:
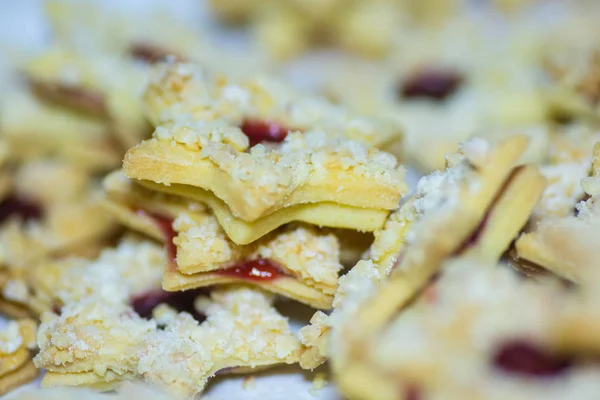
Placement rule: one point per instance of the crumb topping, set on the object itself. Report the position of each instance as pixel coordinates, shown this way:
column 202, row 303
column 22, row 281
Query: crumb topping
column 242, row 329
column 115, row 276
column 78, row 339
column 178, row 89
column 563, row 189
column 299, row 158
column 200, row 240
column 10, row 338
column 304, row 252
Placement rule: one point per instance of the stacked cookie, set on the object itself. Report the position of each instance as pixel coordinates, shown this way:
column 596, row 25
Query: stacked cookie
column 224, row 177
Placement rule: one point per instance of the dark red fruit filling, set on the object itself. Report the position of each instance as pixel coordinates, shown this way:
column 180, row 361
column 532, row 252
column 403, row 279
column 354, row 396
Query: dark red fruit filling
column 472, row 240
column 259, row 131
column 411, row 392
column 20, row 207
column 478, row 232
column 71, row 96
column 525, row 358
column 431, row 83
column 166, row 226
column 150, row 53
column 254, row 270
column 181, row 301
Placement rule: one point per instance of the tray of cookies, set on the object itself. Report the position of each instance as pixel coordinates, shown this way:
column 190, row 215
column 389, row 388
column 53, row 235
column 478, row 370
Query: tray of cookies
column 366, row 199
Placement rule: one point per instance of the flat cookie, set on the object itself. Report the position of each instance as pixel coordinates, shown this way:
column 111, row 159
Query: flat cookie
column 33, row 129
column 124, row 195
column 242, row 330
column 481, row 192
column 16, row 367
column 562, row 235
column 518, row 340
column 297, row 262
column 103, row 86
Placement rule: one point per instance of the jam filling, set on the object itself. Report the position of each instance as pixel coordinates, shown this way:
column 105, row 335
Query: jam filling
column 165, row 224
column 259, row 131
column 478, row 232
column 181, row 301
column 411, row 392
column 261, row 269
column 71, row 96
column 21, row 208
column 474, row 238
column 431, row 83
column 151, row 53
column 526, row 359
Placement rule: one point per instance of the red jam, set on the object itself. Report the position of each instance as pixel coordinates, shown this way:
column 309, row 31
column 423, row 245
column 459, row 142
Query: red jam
column 259, row 131
column 71, row 96
column 166, row 226
column 254, row 270
column 525, row 358
column 476, row 234
column 151, row 53
column 411, row 392
column 143, row 304
column 22, row 208
column 431, row 83
column 472, row 240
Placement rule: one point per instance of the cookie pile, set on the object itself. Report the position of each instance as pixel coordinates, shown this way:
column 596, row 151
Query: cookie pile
column 157, row 203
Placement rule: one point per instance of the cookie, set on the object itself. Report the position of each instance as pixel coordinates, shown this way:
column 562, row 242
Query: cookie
column 564, row 225
column 515, row 341
column 101, row 86
column 474, row 194
column 298, row 262
column 33, row 129
column 125, row 195
column 309, row 167
column 16, row 367
column 242, row 330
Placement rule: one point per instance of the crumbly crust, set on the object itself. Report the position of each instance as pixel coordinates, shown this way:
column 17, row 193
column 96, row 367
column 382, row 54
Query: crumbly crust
column 242, row 330
column 184, row 91
column 562, row 240
column 472, row 312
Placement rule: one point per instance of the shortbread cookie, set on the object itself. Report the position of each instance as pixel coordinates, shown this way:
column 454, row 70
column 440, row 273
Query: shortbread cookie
column 296, row 261
column 242, row 330
column 287, row 28
column 264, row 108
column 127, row 273
column 74, row 346
column 54, row 197
column 33, row 129
column 130, row 273
column 306, row 168
column 574, row 89
column 318, row 166
column 99, row 85
column 87, row 26
column 518, row 340
column 563, row 240
column 481, row 188
column 17, row 339
column 125, row 197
